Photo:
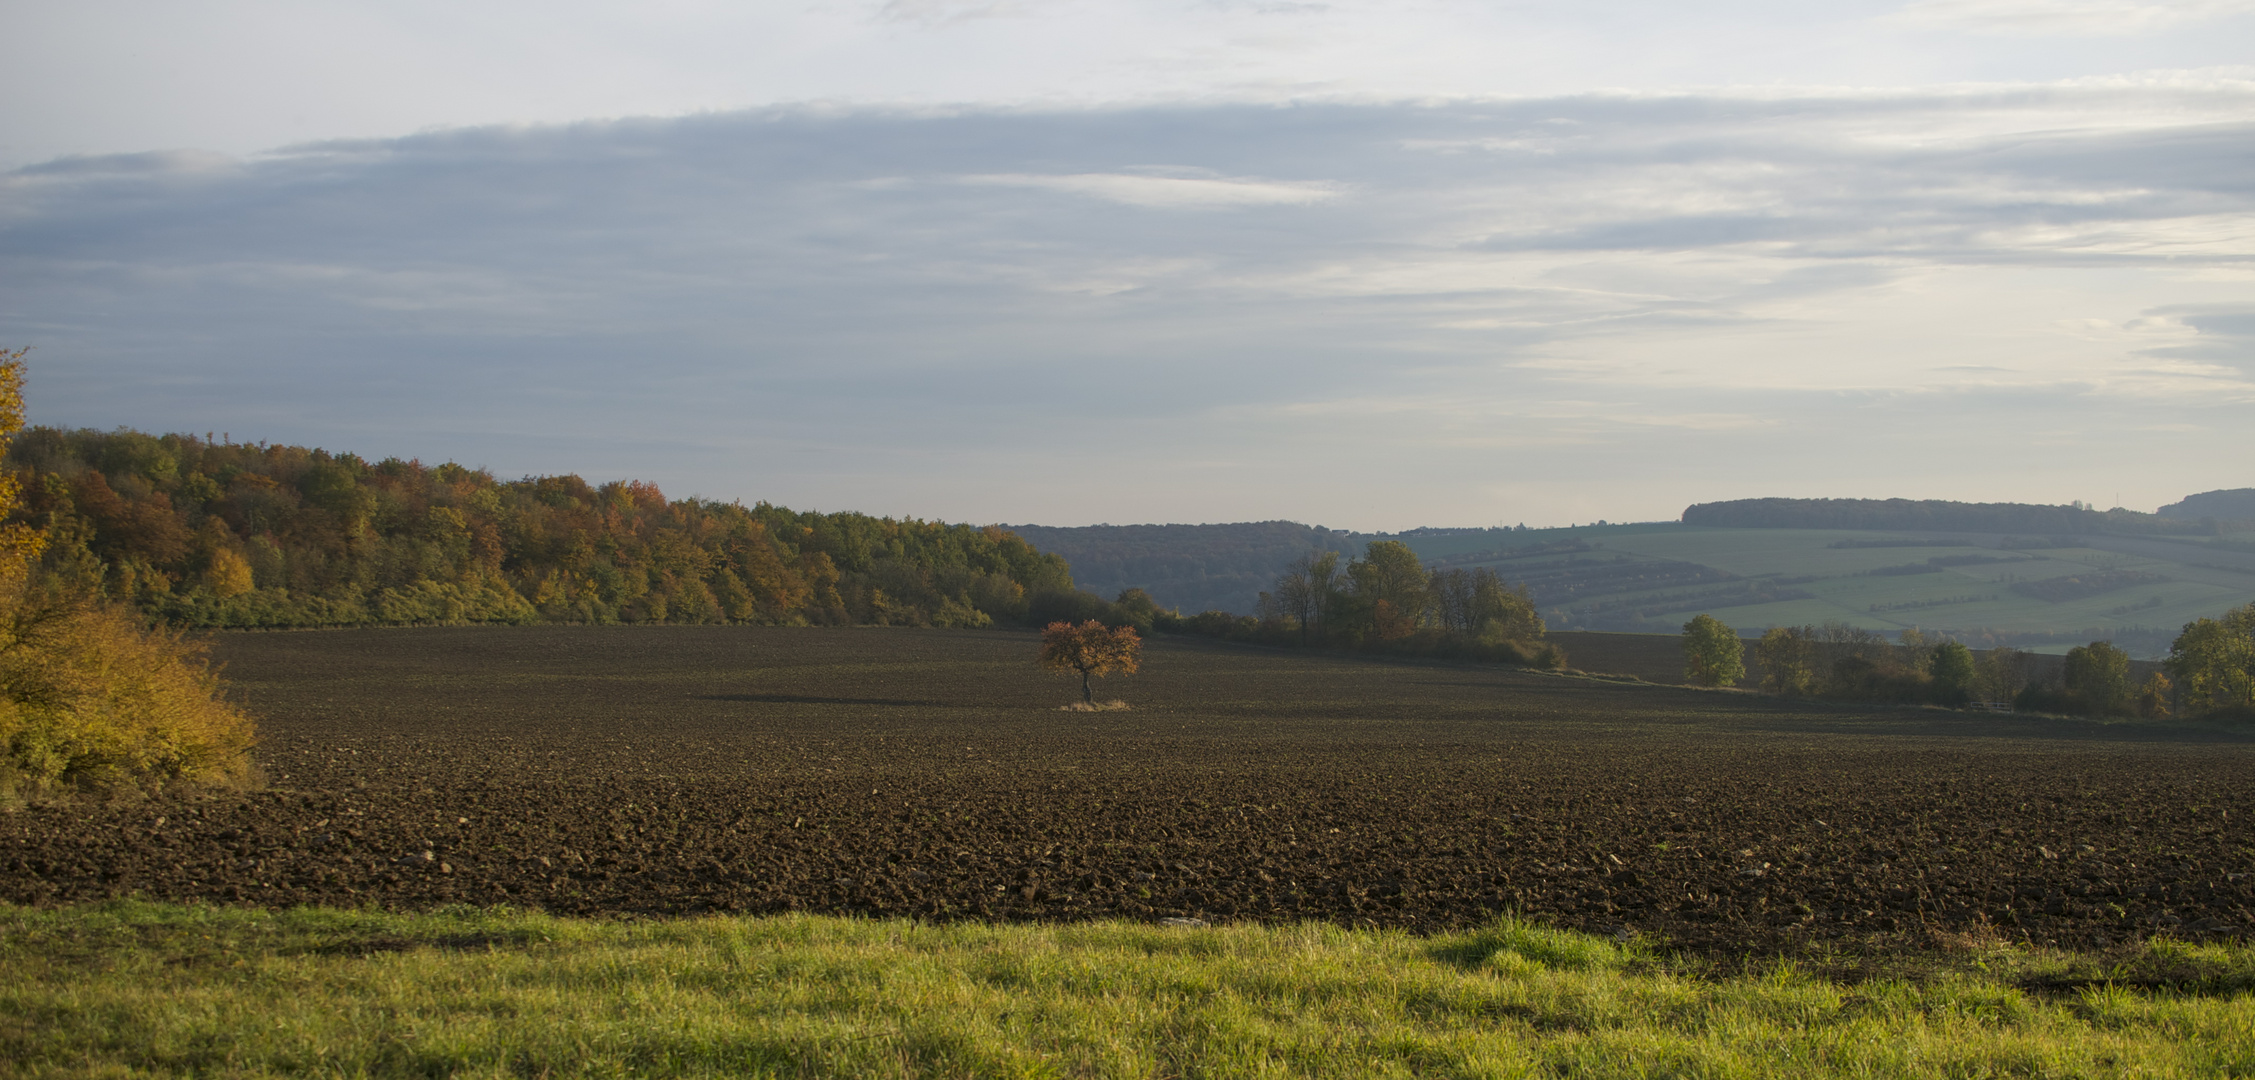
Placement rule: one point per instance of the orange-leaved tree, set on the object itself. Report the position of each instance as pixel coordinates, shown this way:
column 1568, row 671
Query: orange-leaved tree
column 1092, row 649
column 19, row 543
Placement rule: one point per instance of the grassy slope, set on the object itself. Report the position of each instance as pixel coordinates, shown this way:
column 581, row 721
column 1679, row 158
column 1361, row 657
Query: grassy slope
column 129, row 989
column 2202, row 581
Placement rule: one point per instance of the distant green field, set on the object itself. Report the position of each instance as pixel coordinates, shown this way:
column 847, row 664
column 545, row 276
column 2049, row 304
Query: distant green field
column 2028, row 591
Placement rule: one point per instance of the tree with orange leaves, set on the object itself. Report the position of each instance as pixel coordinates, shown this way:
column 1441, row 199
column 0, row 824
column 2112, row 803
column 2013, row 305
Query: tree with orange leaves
column 19, row 544
column 1092, row 649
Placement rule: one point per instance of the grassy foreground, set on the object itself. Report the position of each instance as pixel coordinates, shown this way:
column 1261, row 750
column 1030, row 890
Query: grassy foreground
column 130, row 989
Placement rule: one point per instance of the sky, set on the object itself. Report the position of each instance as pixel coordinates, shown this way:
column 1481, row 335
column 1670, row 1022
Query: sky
column 1369, row 265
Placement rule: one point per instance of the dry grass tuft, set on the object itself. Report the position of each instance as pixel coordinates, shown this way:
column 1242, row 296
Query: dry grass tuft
column 1979, row 937
column 1101, row 706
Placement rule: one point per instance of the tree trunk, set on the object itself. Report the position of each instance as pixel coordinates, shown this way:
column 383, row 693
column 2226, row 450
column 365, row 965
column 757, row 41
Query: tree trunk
column 1087, row 697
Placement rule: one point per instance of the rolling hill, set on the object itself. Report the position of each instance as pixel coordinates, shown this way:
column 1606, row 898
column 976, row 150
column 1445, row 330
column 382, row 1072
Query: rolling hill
column 2036, row 577
column 1984, row 588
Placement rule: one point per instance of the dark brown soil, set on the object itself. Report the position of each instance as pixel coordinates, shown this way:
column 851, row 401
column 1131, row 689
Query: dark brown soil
column 674, row 770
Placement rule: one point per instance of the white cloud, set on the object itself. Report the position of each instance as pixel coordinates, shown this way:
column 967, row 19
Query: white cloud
column 2091, row 18
column 241, row 76
column 1179, row 192
column 948, row 12
column 872, row 307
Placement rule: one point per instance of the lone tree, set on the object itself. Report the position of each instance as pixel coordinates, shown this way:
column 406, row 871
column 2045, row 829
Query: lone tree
column 1712, row 653
column 1091, row 648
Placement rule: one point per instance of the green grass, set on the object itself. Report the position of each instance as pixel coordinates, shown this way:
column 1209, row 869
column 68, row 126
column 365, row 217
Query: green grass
column 133, row 989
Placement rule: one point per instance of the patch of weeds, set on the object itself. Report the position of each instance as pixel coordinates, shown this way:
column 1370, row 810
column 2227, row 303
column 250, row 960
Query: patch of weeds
column 2160, row 964
column 1514, row 946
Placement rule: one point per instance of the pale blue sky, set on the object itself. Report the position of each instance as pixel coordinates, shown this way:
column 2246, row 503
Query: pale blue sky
column 1368, row 265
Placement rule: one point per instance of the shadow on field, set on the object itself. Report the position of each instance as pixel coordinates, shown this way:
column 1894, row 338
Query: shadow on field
column 805, row 699
column 387, row 943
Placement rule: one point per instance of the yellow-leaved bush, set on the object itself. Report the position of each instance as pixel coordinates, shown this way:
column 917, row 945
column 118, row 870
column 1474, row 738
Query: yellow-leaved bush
column 89, row 698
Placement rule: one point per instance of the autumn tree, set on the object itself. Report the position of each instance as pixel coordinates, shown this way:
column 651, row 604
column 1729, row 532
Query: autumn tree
column 1092, row 649
column 2099, row 674
column 2003, row 674
column 87, row 697
column 2154, row 697
column 1712, row 653
column 1453, row 594
column 19, row 543
column 1954, row 673
column 1788, row 660
column 1307, row 591
column 1391, row 583
column 1136, row 607
column 1477, row 603
column 2214, row 661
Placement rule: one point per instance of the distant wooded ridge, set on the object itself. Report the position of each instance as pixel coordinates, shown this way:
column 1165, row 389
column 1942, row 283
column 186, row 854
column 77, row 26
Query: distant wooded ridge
column 1226, row 567
column 1193, row 568
column 1944, row 515
column 203, row 533
column 2231, row 504
column 1997, row 574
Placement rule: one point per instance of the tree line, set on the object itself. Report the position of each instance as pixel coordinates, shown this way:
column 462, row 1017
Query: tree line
column 1190, row 567
column 198, row 532
column 1385, row 601
column 2210, row 670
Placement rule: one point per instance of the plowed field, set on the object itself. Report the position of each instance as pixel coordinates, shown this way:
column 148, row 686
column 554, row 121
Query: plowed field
column 931, row 773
